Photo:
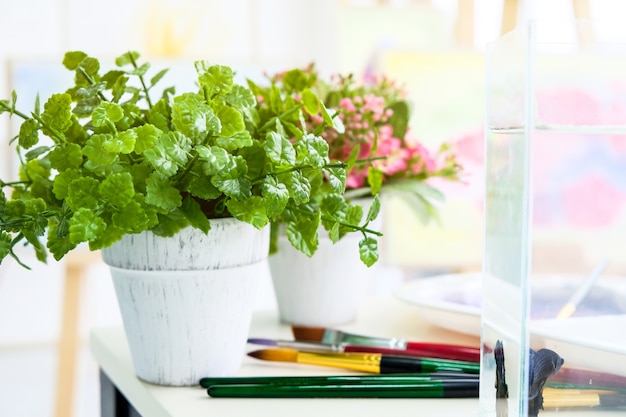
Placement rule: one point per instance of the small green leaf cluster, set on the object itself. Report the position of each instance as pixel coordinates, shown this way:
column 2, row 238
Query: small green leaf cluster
column 102, row 160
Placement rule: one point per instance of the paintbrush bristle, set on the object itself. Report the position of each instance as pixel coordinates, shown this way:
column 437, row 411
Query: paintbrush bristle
column 308, row 334
column 276, row 355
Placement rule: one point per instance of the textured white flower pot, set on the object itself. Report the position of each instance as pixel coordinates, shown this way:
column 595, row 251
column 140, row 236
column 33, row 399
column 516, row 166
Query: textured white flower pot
column 326, row 289
column 186, row 301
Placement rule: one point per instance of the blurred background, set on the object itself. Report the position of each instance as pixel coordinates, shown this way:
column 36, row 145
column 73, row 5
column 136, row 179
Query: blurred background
column 435, row 47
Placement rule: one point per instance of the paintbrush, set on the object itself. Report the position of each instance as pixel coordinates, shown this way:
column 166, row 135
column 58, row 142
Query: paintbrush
column 433, row 350
column 367, row 362
column 338, row 337
column 380, row 379
column 581, row 398
column 590, row 379
column 423, row 389
column 572, row 304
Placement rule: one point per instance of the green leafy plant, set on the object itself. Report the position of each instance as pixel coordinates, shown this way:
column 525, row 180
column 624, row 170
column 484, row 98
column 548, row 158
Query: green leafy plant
column 105, row 158
column 377, row 141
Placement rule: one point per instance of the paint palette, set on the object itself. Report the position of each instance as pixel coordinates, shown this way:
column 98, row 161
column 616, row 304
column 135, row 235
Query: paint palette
column 587, row 339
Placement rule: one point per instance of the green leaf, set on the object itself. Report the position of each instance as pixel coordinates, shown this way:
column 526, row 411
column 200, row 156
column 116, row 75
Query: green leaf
column 231, row 121
column 215, row 79
column 141, row 70
column 147, row 136
column 313, row 150
column 194, row 118
column 72, row 59
column 256, row 159
column 107, row 114
column 330, row 117
column 354, row 214
column 57, row 113
column 237, row 141
column 399, row 119
column 295, row 80
column 234, row 182
column 276, row 196
column 119, row 88
column 169, row 224
column 298, row 186
column 240, row 97
column 154, row 80
column 214, row 158
column 96, row 151
column 109, row 236
column 85, row 225
column 374, row 209
column 368, row 251
column 117, row 189
column 62, row 182
column 122, row 142
column 275, row 100
column 161, row 193
column 303, row 235
column 202, row 188
column 374, row 179
column 311, row 102
column 127, row 58
column 83, row 193
column 251, row 210
column 193, row 212
column 279, row 149
column 29, row 133
column 58, row 244
column 90, row 65
column 336, row 179
column 131, row 218
column 5, row 245
column 66, row 157
column 86, row 106
column 169, row 153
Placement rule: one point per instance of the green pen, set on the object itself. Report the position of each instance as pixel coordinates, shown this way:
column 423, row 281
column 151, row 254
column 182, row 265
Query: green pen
column 424, row 389
column 339, row 379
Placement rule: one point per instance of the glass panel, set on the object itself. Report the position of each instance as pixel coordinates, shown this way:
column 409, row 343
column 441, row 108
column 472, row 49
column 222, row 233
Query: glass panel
column 554, row 271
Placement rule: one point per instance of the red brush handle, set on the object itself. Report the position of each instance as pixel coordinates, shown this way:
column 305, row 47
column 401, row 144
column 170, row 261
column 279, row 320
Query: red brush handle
column 589, row 378
column 425, row 350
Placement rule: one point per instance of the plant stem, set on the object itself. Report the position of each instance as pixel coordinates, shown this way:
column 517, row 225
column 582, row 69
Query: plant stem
column 91, row 81
column 143, row 84
column 287, row 113
column 12, row 183
column 13, row 111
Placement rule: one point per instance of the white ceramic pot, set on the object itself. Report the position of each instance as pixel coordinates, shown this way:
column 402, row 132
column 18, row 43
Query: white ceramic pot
column 326, row 289
column 187, row 301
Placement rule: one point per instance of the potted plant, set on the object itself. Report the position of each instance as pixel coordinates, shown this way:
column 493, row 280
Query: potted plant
column 382, row 155
column 177, row 190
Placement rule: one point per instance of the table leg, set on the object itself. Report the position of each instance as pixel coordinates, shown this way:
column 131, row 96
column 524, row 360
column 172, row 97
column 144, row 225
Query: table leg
column 112, row 402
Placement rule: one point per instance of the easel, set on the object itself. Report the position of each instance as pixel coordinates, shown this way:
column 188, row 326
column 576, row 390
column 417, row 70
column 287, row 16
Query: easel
column 76, row 265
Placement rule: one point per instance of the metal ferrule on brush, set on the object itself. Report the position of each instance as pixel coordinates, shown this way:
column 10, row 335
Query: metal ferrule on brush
column 354, row 339
column 310, row 346
column 356, row 362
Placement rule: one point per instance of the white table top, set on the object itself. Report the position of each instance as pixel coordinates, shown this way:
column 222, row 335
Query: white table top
column 383, row 316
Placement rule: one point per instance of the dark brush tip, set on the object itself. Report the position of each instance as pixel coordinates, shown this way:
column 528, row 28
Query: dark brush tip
column 276, row 355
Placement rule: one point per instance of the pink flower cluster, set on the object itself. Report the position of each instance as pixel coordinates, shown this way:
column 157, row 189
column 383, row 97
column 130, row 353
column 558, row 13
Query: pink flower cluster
column 367, row 117
column 384, row 140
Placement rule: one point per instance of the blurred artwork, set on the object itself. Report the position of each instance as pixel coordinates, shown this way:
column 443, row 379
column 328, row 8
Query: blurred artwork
column 579, row 183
